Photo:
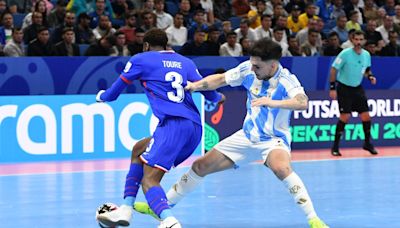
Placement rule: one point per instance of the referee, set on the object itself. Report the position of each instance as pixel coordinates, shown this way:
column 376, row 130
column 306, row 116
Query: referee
column 350, row 66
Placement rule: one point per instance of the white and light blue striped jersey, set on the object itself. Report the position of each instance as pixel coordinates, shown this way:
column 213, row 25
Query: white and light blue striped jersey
column 264, row 123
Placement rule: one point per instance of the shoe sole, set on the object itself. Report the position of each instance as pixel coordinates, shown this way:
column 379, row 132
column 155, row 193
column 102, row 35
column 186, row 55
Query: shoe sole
column 110, row 223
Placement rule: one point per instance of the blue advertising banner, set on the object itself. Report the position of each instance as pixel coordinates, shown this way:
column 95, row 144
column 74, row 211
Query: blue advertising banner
column 86, row 75
column 314, row 127
column 74, row 127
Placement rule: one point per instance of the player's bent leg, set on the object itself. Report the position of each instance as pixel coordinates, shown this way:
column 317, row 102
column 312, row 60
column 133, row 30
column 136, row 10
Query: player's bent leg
column 156, row 198
column 278, row 161
column 139, row 148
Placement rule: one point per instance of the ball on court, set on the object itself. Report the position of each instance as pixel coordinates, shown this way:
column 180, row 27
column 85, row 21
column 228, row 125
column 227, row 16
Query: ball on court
column 106, row 207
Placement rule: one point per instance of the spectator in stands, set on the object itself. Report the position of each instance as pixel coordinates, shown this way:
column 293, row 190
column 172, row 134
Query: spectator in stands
column 278, row 38
column 130, row 28
column 392, row 48
column 264, row 30
column 231, row 47
column 240, row 8
column 104, row 28
column 302, row 35
column 120, row 48
column 340, row 28
column 254, row 17
column 40, row 6
column 67, row 47
column 83, row 33
column 282, row 22
column 88, row 6
column 352, row 23
column 370, row 10
column 300, row 3
column 373, row 35
column 222, row 10
column 164, row 19
column 184, row 9
column 333, row 48
column 244, row 30
column 6, row 27
column 137, row 45
column 278, row 12
column 122, row 8
column 195, row 46
column 15, row 47
column 385, row 28
column 149, row 20
column 56, row 16
column 396, row 17
column 294, row 47
column 245, row 43
column 325, row 10
column 310, row 13
column 69, row 21
column 207, row 5
column 370, row 46
column 270, row 6
column 381, row 16
column 293, row 22
column 226, row 28
column 348, row 43
column 390, row 7
column 353, row 5
column 41, row 46
column 311, row 47
column 212, row 44
column 100, row 10
column 103, row 47
column 177, row 33
column 198, row 23
column 338, row 9
column 3, row 6
column 31, row 31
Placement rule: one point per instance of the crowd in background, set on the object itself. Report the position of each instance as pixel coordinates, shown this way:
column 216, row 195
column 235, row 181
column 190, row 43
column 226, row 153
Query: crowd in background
column 196, row 27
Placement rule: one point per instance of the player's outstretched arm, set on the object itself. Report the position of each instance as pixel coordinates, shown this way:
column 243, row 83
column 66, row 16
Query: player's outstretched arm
column 298, row 102
column 113, row 92
column 211, row 82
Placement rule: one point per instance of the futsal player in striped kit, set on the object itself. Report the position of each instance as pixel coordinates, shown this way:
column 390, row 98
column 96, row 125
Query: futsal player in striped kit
column 272, row 93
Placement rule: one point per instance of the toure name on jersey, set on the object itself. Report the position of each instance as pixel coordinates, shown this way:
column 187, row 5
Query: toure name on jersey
column 172, row 64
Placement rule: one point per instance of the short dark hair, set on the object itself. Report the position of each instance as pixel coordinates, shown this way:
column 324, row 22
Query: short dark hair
column 156, row 37
column 359, row 33
column 266, row 49
column 67, row 29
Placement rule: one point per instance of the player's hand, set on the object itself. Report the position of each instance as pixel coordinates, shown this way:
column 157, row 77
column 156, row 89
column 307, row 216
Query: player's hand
column 263, row 101
column 373, row 80
column 190, row 87
column 222, row 100
column 333, row 94
column 98, row 99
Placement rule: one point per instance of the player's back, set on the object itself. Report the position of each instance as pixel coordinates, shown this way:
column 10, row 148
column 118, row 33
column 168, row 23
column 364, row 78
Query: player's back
column 164, row 75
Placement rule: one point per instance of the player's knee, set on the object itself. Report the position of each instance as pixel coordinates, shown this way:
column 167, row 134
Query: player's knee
column 281, row 170
column 200, row 167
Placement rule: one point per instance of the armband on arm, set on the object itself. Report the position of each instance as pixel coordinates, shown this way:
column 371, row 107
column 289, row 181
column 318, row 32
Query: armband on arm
column 332, row 85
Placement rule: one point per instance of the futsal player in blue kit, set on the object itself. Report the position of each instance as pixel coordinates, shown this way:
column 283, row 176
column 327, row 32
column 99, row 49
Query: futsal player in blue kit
column 164, row 75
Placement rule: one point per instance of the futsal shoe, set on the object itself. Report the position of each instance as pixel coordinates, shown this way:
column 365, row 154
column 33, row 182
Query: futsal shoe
column 370, row 148
column 170, row 222
column 119, row 217
column 317, row 223
column 335, row 151
column 144, row 208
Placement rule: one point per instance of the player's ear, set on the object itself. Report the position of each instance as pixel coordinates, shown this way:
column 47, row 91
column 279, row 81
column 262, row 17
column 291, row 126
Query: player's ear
column 146, row 46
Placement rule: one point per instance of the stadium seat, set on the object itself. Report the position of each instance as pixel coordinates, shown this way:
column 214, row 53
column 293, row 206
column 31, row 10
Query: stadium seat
column 18, row 19
column 171, row 7
column 235, row 21
column 82, row 48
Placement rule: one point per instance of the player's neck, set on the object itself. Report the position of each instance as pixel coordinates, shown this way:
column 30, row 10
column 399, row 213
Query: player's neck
column 156, row 48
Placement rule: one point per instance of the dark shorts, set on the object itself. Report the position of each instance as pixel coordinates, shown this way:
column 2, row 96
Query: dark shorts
column 172, row 143
column 351, row 99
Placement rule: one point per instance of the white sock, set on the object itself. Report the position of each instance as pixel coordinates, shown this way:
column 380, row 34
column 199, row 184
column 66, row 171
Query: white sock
column 186, row 184
column 299, row 192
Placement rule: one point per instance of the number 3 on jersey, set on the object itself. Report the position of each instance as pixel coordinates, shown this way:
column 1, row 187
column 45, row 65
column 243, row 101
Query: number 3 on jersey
column 176, row 83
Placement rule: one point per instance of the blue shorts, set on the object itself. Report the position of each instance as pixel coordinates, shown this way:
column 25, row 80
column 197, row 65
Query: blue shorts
column 172, row 143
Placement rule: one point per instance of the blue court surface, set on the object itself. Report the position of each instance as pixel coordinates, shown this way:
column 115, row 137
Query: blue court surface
column 361, row 192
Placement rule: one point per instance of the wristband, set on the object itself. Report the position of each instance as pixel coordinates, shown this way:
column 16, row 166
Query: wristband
column 332, row 85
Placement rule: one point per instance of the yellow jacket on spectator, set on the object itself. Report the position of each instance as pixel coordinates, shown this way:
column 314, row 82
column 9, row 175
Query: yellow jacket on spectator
column 303, row 19
column 294, row 26
column 351, row 25
column 257, row 22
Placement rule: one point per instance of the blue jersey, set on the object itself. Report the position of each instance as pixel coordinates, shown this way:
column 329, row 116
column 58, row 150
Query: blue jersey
column 264, row 123
column 164, row 75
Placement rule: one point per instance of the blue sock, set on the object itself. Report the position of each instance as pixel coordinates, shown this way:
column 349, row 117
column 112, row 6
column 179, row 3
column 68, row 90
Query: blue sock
column 132, row 183
column 157, row 201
